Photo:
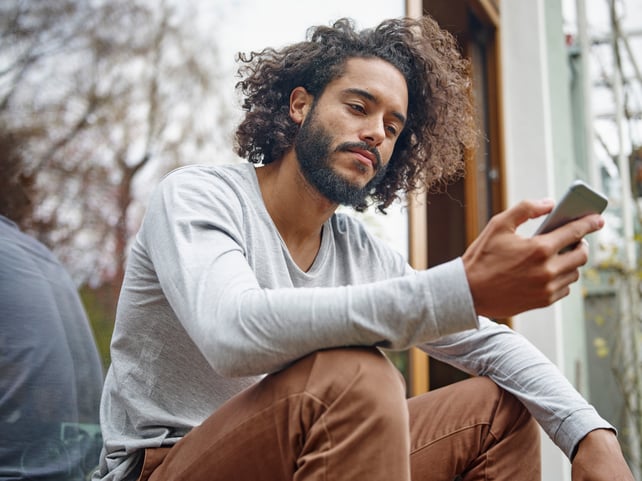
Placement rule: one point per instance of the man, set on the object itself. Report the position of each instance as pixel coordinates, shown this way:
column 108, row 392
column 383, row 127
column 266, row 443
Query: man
column 240, row 272
column 50, row 372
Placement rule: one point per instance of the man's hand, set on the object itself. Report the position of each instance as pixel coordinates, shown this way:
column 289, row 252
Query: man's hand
column 599, row 458
column 509, row 274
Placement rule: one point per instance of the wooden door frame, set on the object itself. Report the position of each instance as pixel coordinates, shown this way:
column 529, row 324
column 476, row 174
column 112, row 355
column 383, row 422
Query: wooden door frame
column 488, row 13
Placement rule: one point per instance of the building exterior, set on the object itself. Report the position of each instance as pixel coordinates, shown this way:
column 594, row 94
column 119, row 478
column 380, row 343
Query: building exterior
column 521, row 85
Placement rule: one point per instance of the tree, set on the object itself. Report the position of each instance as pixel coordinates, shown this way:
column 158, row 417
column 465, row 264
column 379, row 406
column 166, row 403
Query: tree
column 614, row 291
column 618, row 319
column 104, row 97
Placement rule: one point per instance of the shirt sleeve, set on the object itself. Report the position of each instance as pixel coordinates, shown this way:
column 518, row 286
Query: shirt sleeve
column 194, row 238
column 517, row 366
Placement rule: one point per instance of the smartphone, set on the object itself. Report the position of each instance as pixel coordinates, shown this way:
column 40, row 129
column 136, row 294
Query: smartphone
column 578, row 201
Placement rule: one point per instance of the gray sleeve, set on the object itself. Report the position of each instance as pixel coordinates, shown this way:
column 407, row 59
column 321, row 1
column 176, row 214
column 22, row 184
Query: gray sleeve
column 516, row 365
column 243, row 329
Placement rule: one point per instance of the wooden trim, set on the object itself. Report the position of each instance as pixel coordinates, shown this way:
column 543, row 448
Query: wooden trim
column 414, row 8
column 418, row 367
column 486, row 10
column 471, row 214
column 496, row 133
column 418, row 258
column 497, row 120
column 418, row 230
column 419, row 371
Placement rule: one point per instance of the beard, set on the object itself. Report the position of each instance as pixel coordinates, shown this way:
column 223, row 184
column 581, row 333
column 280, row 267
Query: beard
column 313, row 150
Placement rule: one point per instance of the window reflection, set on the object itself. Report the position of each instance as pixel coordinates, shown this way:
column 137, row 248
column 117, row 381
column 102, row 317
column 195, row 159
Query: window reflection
column 50, row 372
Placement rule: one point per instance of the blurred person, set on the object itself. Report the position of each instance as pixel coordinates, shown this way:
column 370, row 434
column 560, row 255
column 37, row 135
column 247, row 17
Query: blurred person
column 50, row 372
column 248, row 325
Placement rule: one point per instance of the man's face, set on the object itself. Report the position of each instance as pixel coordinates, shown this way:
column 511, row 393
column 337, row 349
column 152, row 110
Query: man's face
column 349, row 133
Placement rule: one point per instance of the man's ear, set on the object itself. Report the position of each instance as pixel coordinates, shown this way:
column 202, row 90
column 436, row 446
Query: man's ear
column 300, row 103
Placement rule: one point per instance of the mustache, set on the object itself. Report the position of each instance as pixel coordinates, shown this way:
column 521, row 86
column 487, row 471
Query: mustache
column 347, row 146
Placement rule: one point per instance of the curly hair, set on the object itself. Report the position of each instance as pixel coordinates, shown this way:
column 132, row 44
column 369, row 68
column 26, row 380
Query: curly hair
column 441, row 121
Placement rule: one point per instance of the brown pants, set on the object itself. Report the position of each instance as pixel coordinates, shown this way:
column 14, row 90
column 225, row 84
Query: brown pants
column 342, row 414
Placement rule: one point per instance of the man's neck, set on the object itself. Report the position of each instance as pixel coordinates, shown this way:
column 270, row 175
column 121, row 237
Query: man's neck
column 296, row 208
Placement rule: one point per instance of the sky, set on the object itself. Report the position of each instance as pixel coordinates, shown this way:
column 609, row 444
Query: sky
column 245, row 28
column 250, row 30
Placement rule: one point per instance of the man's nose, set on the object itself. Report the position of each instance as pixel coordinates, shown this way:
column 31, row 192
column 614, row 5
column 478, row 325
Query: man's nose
column 374, row 132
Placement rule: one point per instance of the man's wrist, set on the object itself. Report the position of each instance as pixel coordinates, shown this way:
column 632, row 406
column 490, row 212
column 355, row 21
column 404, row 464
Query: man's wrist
column 600, row 437
column 599, row 458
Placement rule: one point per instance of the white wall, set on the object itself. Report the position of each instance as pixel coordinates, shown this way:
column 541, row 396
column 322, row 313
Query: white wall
column 539, row 159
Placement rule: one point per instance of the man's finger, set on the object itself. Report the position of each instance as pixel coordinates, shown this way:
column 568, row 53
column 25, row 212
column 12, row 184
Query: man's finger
column 572, row 233
column 527, row 209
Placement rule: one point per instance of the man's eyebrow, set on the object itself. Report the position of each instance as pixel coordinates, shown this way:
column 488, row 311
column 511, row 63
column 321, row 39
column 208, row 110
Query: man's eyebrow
column 368, row 96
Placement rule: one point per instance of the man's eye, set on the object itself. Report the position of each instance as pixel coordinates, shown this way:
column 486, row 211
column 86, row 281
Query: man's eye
column 358, row 108
column 392, row 129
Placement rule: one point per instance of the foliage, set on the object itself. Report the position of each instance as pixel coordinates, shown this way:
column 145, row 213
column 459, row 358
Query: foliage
column 101, row 310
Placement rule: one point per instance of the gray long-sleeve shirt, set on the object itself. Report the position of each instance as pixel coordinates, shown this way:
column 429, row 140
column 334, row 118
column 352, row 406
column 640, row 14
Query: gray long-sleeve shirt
column 212, row 300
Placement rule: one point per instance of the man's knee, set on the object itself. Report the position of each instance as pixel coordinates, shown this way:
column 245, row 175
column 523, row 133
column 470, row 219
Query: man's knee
column 354, row 415
column 363, row 377
column 366, row 367
column 364, row 397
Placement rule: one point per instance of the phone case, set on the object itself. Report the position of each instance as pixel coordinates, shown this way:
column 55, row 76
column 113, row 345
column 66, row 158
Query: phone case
column 578, row 201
